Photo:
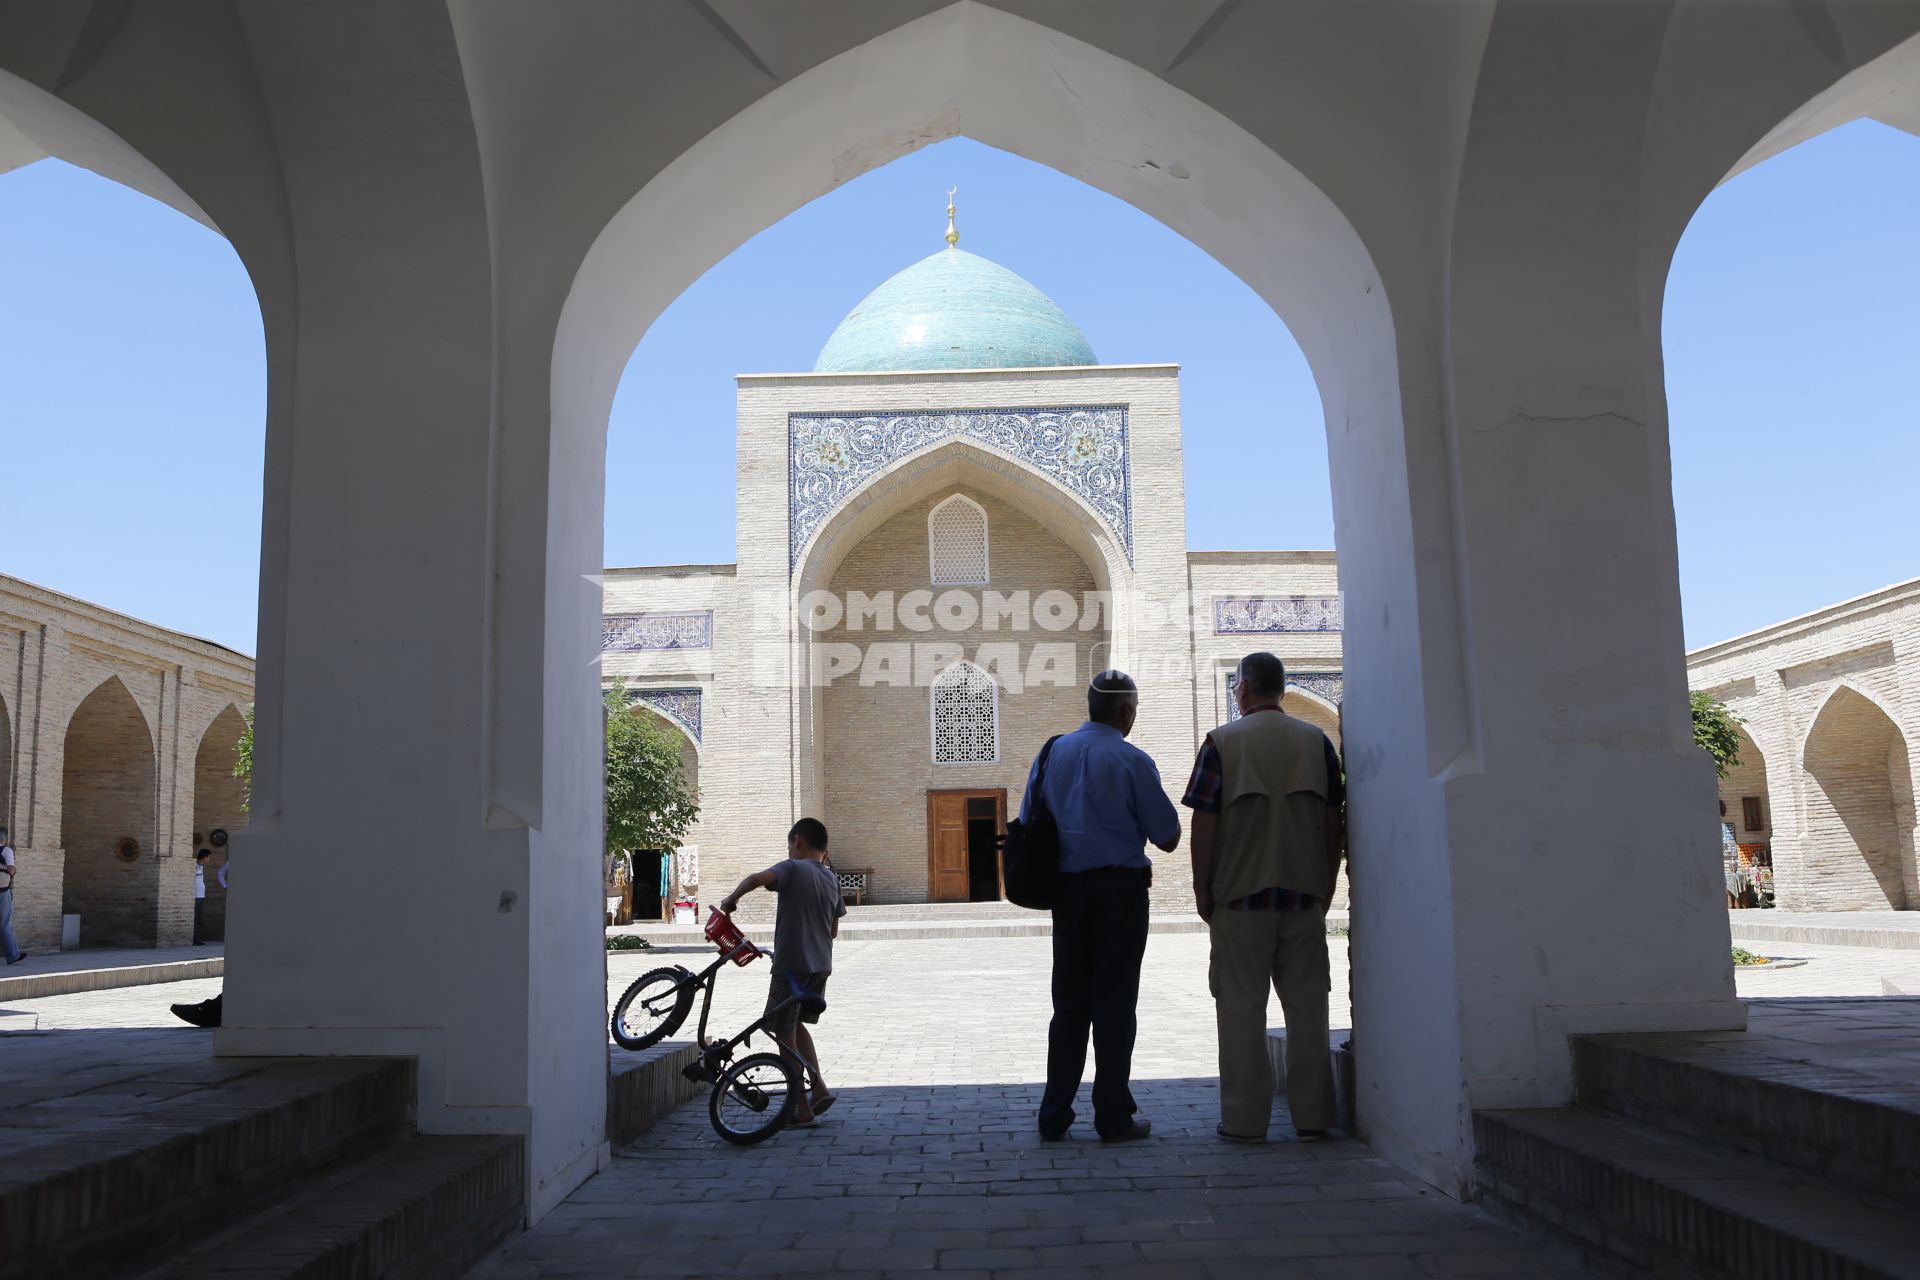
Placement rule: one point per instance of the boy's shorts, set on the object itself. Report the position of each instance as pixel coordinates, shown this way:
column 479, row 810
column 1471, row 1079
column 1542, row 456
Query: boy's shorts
column 779, row 991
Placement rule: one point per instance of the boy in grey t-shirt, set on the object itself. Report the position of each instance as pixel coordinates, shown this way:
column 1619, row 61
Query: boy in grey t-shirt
column 803, row 934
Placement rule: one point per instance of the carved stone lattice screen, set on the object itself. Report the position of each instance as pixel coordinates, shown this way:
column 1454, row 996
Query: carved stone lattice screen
column 957, row 543
column 966, row 716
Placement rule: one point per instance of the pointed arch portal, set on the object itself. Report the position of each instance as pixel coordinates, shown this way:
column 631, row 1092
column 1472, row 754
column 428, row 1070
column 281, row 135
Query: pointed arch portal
column 1859, row 843
column 109, row 820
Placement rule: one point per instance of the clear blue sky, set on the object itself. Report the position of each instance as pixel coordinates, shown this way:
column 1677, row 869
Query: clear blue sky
column 132, row 376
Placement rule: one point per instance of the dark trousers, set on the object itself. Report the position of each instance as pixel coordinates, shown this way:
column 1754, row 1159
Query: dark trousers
column 1099, row 938
column 199, row 927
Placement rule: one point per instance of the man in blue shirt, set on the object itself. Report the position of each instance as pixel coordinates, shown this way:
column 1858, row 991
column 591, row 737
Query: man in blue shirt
column 1105, row 795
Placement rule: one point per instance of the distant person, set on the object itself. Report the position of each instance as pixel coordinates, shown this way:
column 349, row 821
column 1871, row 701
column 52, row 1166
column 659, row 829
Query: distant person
column 14, row 954
column 1106, row 798
column 200, row 896
column 1266, row 796
column 803, row 934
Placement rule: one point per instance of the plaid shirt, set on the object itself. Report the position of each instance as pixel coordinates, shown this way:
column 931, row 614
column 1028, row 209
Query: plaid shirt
column 1203, row 796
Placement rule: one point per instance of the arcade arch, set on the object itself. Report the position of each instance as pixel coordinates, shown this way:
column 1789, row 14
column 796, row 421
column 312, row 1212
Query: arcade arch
column 108, row 820
column 1315, row 710
column 1859, row 820
column 8, row 753
column 1530, row 449
column 219, row 804
column 1748, row 805
column 672, row 868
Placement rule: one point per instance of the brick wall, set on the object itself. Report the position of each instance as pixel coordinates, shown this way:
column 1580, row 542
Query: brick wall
column 56, row 653
column 1831, row 702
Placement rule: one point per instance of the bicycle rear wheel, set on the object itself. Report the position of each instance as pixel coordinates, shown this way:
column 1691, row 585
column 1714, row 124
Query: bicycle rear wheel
column 754, row 1097
column 652, row 1008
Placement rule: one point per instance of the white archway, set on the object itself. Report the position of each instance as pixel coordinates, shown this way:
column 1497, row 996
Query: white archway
column 976, row 71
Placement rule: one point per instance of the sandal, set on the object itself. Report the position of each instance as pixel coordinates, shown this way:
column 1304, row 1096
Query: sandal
column 821, row 1103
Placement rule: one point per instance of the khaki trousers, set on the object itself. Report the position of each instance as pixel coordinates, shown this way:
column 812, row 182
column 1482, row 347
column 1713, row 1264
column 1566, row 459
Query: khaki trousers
column 1287, row 949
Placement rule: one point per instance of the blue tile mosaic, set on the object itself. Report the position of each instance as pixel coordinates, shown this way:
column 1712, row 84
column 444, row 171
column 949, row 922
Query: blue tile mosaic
column 1083, row 448
column 1328, row 685
column 639, row 632
column 682, row 706
column 1261, row 615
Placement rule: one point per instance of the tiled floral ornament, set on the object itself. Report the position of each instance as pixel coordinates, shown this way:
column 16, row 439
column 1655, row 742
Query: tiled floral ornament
column 638, row 632
column 1084, row 449
column 682, row 706
column 1261, row 615
column 1329, row 686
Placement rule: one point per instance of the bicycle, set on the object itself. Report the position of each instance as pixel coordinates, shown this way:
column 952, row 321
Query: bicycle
column 655, row 1005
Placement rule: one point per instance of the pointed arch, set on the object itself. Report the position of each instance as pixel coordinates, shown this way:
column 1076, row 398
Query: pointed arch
column 957, row 543
column 964, row 704
column 219, row 804
column 640, row 705
column 8, row 748
column 1859, row 819
column 946, row 466
column 1314, row 709
column 108, row 798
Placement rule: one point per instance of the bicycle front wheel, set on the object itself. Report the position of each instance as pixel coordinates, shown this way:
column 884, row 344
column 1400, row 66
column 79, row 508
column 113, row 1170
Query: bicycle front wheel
column 652, row 1008
column 754, row 1097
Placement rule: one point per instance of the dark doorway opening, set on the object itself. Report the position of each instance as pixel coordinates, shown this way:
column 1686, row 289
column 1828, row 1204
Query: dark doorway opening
column 647, row 902
column 983, row 848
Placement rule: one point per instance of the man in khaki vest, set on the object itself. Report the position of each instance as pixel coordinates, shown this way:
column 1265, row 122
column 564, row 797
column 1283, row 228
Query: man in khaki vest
column 1266, row 795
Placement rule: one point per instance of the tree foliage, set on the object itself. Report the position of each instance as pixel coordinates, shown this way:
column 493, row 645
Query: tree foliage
column 1716, row 730
column 650, row 803
column 243, row 762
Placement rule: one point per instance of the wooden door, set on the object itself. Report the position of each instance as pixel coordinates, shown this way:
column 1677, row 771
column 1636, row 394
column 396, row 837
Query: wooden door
column 947, row 846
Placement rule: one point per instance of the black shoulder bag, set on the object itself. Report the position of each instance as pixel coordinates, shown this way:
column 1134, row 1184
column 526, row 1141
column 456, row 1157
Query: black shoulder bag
column 1031, row 850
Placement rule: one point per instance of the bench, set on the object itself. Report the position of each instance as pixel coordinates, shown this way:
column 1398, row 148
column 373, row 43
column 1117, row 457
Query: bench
column 856, row 885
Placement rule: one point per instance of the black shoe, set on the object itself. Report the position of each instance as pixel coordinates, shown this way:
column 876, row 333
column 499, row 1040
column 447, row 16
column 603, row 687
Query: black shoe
column 17, row 959
column 1220, row 1130
column 1053, row 1135
column 1310, row 1135
column 1135, row 1131
column 205, row 1014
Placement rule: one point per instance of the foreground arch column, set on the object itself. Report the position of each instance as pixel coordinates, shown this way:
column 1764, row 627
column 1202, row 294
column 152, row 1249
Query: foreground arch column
column 385, row 901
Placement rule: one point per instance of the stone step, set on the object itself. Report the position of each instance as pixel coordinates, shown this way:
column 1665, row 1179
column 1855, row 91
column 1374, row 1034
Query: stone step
column 129, row 1188
column 1833, row 1122
column 1666, row 1205
column 427, row 1208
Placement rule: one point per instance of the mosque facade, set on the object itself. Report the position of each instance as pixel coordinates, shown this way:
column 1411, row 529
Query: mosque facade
column 944, row 529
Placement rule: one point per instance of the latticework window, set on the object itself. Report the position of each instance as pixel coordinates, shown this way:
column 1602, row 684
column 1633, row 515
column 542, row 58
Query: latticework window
column 957, row 542
column 966, row 716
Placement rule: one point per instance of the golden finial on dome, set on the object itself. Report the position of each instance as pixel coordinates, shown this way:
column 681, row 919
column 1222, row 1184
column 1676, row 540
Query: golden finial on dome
column 953, row 236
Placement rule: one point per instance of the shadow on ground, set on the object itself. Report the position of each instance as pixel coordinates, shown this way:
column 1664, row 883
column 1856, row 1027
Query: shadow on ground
column 909, row 1179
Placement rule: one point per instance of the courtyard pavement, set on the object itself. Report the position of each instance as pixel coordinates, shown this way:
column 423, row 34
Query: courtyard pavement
column 929, row 1161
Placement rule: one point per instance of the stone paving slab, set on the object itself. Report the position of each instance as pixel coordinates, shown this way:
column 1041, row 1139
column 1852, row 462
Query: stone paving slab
column 930, row 1161
column 916, row 1178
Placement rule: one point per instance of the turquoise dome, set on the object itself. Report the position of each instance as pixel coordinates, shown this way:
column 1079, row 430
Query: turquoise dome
column 954, row 310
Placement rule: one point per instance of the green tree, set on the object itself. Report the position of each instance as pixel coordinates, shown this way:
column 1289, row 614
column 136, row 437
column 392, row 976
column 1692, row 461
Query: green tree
column 650, row 804
column 1716, row 730
column 243, row 762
